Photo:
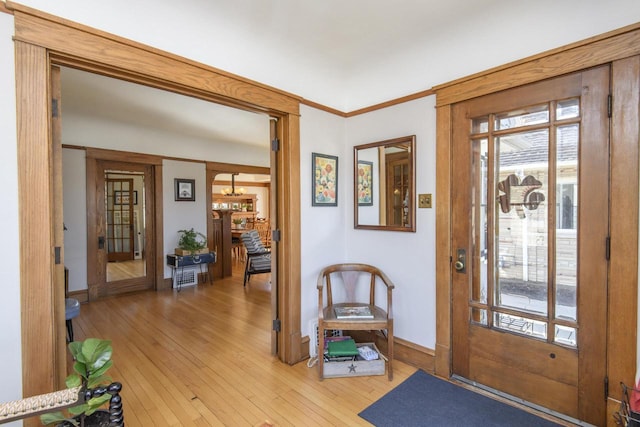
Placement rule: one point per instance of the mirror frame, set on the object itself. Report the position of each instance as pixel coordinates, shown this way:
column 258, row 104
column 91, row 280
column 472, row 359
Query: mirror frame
column 411, row 141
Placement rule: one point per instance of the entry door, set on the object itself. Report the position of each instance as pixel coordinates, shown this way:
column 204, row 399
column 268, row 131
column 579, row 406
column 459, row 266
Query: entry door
column 530, row 226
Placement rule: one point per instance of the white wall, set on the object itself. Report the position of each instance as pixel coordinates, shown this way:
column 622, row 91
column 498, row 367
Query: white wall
column 74, row 188
column 89, row 132
column 10, row 356
column 182, row 215
column 323, row 234
column 407, row 258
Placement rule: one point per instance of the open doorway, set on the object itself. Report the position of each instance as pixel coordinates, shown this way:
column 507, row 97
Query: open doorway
column 67, row 45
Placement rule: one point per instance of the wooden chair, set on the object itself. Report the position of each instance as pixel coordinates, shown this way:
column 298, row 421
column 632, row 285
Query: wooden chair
column 264, row 231
column 258, row 257
column 58, row 400
column 353, row 277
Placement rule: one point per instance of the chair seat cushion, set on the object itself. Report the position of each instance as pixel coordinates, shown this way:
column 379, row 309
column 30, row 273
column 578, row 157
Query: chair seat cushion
column 260, row 263
column 71, row 308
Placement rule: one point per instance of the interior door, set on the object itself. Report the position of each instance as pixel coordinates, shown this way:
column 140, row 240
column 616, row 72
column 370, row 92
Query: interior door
column 121, row 252
column 530, row 228
column 119, row 209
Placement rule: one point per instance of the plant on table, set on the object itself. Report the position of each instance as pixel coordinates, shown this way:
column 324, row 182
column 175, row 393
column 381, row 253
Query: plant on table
column 191, row 240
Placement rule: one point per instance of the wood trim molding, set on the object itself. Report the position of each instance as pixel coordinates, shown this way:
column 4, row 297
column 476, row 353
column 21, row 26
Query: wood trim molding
column 380, row 106
column 391, row 103
column 443, row 242
column 623, row 267
column 3, row 8
column 288, row 258
column 245, row 183
column 588, row 53
column 35, row 199
column 123, row 156
column 323, row 108
column 65, row 37
column 231, row 168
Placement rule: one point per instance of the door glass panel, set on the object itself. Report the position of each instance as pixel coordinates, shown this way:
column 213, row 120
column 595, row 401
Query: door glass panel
column 524, row 255
column 521, row 229
column 566, row 335
column 479, row 220
column 566, row 268
column 480, row 125
column 521, row 325
column 124, row 208
column 531, row 116
column 568, row 109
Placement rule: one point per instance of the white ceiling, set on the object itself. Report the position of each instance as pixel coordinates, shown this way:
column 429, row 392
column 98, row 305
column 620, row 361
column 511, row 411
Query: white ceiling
column 336, row 36
column 345, row 54
column 92, row 95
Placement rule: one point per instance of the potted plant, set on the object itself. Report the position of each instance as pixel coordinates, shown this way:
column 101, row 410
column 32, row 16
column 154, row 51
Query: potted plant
column 237, row 222
column 191, row 242
column 92, row 359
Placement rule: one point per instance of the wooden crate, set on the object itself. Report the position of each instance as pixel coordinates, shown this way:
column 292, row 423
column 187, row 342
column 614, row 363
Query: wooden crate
column 356, row 368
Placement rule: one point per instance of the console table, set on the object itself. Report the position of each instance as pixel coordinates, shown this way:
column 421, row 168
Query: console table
column 180, row 261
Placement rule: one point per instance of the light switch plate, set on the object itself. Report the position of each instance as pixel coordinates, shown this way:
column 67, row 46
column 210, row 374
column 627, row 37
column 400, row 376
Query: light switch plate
column 424, row 200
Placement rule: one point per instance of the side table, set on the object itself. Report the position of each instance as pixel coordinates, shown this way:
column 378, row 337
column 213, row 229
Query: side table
column 180, row 261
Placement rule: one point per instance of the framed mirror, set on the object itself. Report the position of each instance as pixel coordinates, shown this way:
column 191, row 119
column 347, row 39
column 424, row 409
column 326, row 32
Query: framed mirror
column 384, row 185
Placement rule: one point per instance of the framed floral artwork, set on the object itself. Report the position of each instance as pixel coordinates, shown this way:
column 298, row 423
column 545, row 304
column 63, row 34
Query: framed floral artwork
column 365, row 183
column 324, row 180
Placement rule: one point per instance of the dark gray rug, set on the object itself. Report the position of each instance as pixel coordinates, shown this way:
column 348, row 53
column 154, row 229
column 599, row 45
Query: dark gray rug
column 424, row 400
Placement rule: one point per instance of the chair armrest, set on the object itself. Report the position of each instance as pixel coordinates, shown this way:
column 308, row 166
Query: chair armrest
column 36, row 405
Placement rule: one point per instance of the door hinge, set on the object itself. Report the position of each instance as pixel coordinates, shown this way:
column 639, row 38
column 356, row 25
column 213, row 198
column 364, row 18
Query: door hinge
column 276, row 325
column 606, row 388
column 275, row 144
column 275, row 235
column 54, row 107
column 607, row 248
column 56, row 254
column 609, row 106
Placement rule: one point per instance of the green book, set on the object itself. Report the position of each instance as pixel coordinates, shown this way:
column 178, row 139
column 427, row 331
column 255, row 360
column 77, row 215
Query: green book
column 342, row 348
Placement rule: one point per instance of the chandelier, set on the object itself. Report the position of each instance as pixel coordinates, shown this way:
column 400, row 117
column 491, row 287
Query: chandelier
column 232, row 191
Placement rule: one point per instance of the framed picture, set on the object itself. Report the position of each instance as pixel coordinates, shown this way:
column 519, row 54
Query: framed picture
column 185, row 190
column 365, row 183
column 324, row 180
column 123, row 197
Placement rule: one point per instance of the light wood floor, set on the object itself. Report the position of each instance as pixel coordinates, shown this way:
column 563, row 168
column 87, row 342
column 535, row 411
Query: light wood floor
column 201, row 357
column 125, row 270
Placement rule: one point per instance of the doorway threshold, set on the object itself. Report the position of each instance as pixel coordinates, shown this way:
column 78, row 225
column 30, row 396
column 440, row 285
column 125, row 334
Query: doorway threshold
column 519, row 401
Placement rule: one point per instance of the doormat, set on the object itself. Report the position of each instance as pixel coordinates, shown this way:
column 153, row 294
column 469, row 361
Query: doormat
column 424, row 400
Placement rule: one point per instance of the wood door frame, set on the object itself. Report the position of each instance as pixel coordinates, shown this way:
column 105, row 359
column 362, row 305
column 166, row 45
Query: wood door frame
column 620, row 48
column 41, row 40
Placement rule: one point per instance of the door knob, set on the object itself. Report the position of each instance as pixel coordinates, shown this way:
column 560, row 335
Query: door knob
column 461, row 261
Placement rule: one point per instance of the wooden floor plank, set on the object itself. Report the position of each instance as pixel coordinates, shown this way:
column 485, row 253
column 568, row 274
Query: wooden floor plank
column 202, row 357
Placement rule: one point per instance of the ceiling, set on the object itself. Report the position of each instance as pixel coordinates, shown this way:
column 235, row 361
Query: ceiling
column 333, row 35
column 344, row 54
column 91, row 95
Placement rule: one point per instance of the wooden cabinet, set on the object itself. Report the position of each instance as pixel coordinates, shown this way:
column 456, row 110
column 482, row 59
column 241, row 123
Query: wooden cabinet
column 242, row 206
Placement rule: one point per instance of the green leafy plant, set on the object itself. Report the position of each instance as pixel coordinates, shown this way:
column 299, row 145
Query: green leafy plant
column 237, row 221
column 191, row 240
column 92, row 360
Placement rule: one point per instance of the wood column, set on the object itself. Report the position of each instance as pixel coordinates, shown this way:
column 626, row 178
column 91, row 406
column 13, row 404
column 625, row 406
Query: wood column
column 224, row 257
